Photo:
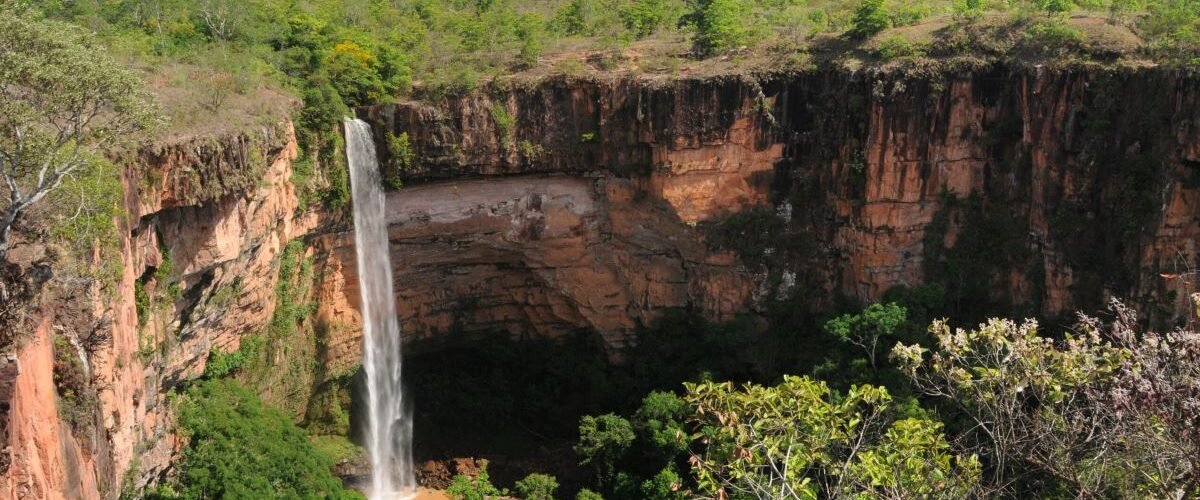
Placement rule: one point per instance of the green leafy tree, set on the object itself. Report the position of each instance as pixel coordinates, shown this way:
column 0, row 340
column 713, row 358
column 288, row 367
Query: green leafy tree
column 1054, row 7
column 870, row 17
column 537, row 487
column 573, row 18
column 666, row 485
column 644, row 17
column 586, row 494
column 722, row 24
column 240, row 448
column 659, row 423
column 801, row 440
column 603, row 441
column 63, row 103
column 874, row 326
column 354, row 72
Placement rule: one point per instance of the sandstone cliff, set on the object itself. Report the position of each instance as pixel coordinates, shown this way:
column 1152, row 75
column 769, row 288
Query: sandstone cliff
column 1038, row 191
column 597, row 205
column 213, row 213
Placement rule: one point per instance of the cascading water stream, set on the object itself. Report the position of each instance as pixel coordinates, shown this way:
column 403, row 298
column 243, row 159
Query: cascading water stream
column 389, row 426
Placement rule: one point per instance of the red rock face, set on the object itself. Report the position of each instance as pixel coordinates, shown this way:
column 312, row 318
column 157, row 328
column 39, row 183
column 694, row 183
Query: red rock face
column 863, row 164
column 220, row 232
column 539, row 254
column 46, row 459
column 580, row 205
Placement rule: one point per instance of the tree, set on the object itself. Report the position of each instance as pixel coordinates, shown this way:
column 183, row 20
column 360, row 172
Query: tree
column 603, row 441
column 572, row 19
column 1107, row 411
column 1054, row 7
column 875, row 324
column 659, row 423
column 722, row 24
column 644, row 17
column 799, row 439
column 870, row 17
column 1023, row 394
column 586, row 494
column 64, row 103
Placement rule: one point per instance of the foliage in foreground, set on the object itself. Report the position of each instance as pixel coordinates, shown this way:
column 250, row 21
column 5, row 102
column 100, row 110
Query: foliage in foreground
column 240, row 448
column 1107, row 412
column 800, row 440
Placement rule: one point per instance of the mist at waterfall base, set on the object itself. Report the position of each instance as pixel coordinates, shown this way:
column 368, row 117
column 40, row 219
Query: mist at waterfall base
column 389, row 425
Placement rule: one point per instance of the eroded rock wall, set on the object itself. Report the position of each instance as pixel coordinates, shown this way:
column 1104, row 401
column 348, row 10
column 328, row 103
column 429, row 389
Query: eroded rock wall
column 1065, row 187
column 216, row 212
column 567, row 205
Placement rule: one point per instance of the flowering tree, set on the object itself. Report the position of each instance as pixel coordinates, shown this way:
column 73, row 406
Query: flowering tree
column 1109, row 410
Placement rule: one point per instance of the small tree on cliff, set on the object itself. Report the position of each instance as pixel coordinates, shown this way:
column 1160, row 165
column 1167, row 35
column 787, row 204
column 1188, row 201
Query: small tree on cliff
column 63, row 103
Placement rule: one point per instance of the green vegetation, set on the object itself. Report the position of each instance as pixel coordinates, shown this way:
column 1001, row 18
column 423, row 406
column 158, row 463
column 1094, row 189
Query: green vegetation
column 537, row 487
column 78, row 402
column 800, row 438
column 586, row 494
column 401, row 158
column 240, row 448
column 603, row 440
column 866, row 330
column 64, row 104
column 870, row 17
column 478, row 487
column 721, row 24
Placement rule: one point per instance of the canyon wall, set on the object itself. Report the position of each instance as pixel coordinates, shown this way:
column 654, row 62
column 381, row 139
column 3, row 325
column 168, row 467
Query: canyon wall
column 1022, row 190
column 563, row 205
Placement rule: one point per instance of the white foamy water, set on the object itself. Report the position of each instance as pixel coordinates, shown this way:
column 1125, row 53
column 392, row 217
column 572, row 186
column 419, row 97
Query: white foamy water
column 389, row 426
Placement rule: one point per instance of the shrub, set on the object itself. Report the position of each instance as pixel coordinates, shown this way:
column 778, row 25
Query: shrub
column 572, row 19
column 505, row 123
column 665, row 485
column 909, row 13
column 537, row 487
column 402, row 158
column 479, row 487
column 1053, row 36
column 895, row 47
column 799, row 433
column 968, row 9
column 1056, row 6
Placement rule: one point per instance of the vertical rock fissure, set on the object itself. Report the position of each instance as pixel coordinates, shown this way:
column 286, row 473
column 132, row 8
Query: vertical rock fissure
column 389, row 429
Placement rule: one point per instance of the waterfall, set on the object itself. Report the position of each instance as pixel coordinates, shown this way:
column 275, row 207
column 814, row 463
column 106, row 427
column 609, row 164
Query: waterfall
column 389, row 429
